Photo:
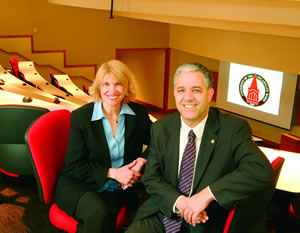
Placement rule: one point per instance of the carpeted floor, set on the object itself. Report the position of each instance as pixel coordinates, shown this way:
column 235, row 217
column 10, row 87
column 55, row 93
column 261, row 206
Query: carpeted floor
column 21, row 210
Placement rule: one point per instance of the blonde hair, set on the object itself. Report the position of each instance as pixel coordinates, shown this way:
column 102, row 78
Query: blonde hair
column 121, row 72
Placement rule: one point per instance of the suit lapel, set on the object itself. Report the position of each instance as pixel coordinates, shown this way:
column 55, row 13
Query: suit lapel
column 129, row 129
column 208, row 143
column 172, row 155
column 100, row 138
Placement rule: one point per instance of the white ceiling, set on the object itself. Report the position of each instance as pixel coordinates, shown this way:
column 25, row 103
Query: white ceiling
column 274, row 17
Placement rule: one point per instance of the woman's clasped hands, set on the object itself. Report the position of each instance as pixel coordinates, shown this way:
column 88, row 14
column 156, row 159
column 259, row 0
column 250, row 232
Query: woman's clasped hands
column 129, row 174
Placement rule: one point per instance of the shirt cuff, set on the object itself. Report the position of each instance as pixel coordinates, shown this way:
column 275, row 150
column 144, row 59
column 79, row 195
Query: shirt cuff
column 210, row 193
column 175, row 210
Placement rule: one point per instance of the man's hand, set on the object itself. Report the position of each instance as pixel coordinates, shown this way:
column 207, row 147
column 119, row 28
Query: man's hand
column 140, row 162
column 192, row 209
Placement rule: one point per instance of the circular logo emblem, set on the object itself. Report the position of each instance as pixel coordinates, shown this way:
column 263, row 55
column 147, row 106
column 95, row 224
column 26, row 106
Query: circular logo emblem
column 254, row 89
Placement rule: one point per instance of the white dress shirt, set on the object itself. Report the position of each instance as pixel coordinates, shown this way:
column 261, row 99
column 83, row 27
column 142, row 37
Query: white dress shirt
column 184, row 131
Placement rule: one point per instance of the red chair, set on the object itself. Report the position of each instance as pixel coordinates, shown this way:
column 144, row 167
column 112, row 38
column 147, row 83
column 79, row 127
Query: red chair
column 85, row 89
column 16, row 71
column 15, row 66
column 251, row 215
column 55, row 83
column 293, row 212
column 47, row 139
column 289, row 142
column 292, row 143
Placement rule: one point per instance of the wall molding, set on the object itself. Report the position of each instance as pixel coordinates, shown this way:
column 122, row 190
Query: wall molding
column 63, row 52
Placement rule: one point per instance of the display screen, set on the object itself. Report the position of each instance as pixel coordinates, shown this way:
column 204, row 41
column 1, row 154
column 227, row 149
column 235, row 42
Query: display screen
column 254, row 89
column 262, row 94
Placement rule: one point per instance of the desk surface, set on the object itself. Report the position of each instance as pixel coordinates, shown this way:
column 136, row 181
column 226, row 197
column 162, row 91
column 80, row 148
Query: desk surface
column 30, row 73
column 9, row 98
column 65, row 81
column 289, row 178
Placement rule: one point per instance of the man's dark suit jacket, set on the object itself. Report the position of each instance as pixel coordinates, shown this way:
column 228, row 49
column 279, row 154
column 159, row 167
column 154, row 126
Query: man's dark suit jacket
column 88, row 158
column 228, row 162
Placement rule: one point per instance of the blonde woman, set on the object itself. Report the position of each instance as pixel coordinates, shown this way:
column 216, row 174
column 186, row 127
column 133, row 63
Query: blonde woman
column 104, row 157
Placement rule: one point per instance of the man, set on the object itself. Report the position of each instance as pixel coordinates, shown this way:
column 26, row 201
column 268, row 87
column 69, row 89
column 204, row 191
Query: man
column 226, row 168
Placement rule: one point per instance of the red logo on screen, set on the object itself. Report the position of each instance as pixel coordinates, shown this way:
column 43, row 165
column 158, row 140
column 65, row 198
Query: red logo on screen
column 249, row 84
column 253, row 92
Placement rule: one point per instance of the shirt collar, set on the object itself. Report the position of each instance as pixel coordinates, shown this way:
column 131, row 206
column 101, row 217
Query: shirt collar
column 98, row 112
column 198, row 129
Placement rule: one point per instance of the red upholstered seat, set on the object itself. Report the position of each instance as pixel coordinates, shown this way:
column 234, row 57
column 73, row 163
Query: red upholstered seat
column 229, row 219
column 47, row 139
column 16, row 71
column 293, row 213
column 61, row 219
column 54, row 81
column 291, row 143
column 15, row 66
column 240, row 215
column 85, row 88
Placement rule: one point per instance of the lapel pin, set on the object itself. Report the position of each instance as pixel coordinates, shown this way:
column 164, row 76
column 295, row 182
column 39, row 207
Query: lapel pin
column 212, row 141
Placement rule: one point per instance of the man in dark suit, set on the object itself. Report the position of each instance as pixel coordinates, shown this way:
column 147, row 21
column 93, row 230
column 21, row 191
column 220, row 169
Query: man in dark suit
column 227, row 167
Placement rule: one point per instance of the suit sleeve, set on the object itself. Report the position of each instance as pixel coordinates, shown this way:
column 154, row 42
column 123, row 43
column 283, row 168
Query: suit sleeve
column 77, row 163
column 251, row 171
column 156, row 185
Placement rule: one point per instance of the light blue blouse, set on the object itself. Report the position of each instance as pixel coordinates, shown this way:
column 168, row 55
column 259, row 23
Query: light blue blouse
column 115, row 144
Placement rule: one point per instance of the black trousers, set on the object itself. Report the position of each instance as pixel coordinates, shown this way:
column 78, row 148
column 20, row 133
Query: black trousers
column 153, row 224
column 97, row 212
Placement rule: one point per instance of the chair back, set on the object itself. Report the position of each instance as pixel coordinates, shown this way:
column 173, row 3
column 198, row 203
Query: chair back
column 15, row 66
column 277, row 165
column 47, row 139
column 251, row 215
column 295, row 206
column 54, row 81
column 290, row 142
column 85, row 89
column 14, row 122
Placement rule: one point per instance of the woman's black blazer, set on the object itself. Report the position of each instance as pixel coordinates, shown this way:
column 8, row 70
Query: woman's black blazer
column 87, row 158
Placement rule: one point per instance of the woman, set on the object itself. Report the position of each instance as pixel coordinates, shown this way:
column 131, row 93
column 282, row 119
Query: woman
column 104, row 156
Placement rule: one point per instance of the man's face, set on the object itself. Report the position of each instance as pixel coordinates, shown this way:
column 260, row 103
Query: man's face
column 192, row 97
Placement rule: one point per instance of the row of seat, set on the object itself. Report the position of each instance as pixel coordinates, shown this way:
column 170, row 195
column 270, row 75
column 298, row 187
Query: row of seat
column 24, row 96
column 34, row 122
column 63, row 88
column 43, row 145
column 10, row 83
column 19, row 104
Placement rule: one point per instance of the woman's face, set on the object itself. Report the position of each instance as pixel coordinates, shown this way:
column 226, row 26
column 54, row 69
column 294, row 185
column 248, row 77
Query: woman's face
column 112, row 91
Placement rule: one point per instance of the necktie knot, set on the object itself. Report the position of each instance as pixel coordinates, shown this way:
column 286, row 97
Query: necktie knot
column 191, row 135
